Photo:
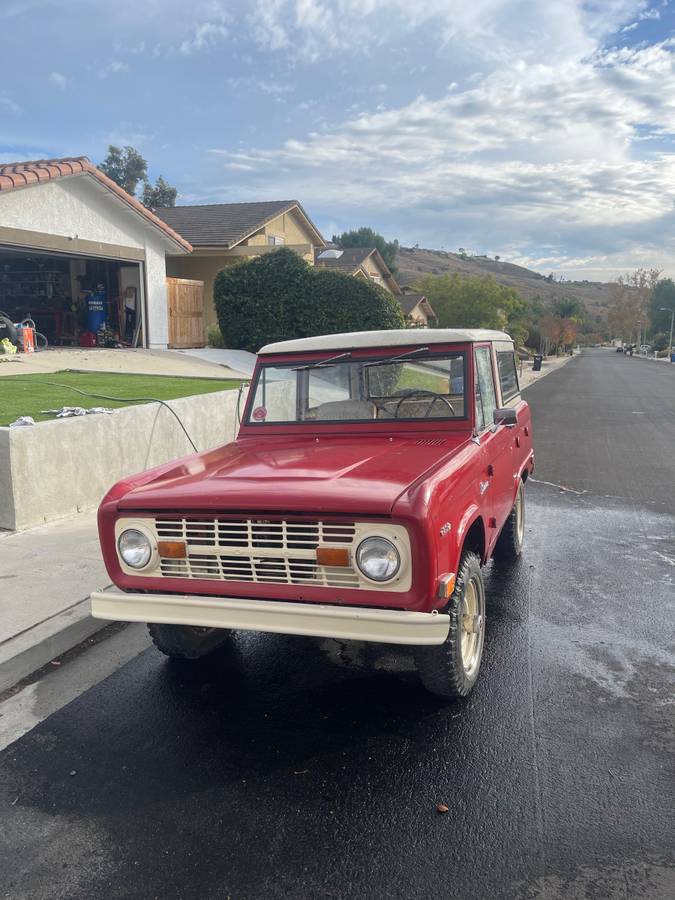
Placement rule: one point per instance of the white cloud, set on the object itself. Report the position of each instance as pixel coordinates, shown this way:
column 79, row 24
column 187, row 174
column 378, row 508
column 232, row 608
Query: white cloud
column 114, row 67
column 58, row 79
column 528, row 153
column 209, row 31
column 501, row 29
column 8, row 104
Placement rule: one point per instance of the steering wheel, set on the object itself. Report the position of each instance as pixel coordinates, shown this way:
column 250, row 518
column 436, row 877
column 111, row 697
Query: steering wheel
column 421, row 392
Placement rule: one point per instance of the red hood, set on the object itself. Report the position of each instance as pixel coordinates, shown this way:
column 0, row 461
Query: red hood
column 356, row 474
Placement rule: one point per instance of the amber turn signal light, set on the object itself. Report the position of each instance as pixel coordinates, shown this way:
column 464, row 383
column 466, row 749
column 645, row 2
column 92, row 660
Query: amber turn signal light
column 332, row 556
column 446, row 585
column 172, row 549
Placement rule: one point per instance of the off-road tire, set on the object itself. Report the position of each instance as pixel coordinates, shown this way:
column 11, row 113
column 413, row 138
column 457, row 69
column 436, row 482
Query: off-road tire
column 441, row 668
column 510, row 542
column 186, row 642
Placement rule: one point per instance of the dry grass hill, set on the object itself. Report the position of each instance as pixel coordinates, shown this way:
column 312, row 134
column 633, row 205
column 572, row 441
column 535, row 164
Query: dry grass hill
column 413, row 264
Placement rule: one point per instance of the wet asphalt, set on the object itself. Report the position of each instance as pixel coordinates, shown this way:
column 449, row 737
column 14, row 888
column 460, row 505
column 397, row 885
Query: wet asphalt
column 290, row 767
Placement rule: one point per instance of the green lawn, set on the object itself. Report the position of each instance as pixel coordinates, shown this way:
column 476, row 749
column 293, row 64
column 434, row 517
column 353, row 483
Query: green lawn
column 29, row 395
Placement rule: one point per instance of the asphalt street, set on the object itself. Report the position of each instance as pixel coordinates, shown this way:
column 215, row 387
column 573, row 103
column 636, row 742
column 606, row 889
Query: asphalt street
column 296, row 768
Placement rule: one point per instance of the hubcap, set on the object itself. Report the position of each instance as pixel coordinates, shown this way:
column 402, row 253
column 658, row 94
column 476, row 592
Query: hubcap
column 472, row 626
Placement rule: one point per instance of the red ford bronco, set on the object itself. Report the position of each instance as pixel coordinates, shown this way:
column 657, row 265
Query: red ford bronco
column 373, row 475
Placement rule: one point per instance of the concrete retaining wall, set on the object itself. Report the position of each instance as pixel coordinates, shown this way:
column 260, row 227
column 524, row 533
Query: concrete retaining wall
column 57, row 468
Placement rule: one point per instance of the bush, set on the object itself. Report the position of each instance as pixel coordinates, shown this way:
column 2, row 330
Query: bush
column 214, row 338
column 278, row 296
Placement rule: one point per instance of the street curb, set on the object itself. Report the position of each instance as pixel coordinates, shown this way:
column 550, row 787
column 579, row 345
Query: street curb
column 27, row 652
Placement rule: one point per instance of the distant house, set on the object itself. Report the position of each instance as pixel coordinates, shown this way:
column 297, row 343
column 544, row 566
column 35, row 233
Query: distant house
column 416, row 309
column 361, row 262
column 224, row 233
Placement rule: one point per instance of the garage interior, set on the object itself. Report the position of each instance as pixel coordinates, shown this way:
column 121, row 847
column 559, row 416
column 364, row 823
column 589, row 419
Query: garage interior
column 74, row 301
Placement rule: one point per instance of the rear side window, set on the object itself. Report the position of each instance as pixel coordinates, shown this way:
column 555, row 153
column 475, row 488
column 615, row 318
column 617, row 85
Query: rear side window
column 508, row 376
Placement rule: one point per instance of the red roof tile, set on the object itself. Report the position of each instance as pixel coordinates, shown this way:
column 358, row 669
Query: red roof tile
column 25, row 174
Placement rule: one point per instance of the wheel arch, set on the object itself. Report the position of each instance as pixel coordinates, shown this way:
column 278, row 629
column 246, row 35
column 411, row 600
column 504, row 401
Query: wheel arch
column 472, row 535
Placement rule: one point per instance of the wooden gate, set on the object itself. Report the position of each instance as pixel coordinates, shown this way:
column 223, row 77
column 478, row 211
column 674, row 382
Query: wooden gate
column 185, row 299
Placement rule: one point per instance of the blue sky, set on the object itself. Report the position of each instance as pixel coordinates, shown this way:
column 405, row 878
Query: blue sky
column 540, row 130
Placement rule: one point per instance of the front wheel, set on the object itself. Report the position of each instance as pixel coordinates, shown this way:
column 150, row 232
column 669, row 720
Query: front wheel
column 450, row 670
column 187, row 641
column 510, row 542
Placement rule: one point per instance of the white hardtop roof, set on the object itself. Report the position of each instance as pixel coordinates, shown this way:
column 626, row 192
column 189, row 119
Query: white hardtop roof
column 399, row 337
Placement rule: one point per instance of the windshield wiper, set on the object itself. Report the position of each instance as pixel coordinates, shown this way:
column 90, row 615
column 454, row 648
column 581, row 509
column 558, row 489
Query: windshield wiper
column 322, row 362
column 393, row 359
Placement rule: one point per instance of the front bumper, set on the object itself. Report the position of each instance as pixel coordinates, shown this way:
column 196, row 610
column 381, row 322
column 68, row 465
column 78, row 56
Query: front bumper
column 281, row 617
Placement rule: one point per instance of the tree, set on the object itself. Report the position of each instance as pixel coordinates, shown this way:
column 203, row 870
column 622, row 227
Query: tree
column 278, row 296
column 662, row 296
column 569, row 308
column 366, row 237
column 126, row 167
column 473, row 302
column 158, row 195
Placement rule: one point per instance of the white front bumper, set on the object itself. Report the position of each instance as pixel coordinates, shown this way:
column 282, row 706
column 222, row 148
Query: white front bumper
column 346, row 622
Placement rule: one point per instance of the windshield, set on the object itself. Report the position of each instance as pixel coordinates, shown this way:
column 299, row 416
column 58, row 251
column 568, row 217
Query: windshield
column 345, row 390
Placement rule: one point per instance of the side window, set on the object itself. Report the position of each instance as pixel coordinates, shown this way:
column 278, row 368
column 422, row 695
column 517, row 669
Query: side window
column 508, row 376
column 486, row 399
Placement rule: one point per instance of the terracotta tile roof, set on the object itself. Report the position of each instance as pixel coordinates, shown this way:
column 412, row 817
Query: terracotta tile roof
column 25, row 174
column 227, row 224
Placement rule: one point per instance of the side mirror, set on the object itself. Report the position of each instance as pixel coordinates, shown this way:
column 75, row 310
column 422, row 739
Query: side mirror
column 506, row 416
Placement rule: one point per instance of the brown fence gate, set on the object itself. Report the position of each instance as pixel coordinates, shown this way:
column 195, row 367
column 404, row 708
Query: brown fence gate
column 186, row 312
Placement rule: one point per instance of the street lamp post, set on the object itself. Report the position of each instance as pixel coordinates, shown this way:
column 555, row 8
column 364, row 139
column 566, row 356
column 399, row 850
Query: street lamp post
column 672, row 318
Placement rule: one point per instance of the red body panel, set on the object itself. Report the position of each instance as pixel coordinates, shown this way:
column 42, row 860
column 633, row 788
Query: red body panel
column 434, row 477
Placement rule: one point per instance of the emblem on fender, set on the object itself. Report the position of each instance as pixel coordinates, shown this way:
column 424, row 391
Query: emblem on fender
column 483, row 486
column 445, row 529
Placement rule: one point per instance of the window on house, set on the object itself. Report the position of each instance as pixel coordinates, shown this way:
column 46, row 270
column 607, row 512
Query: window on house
column 508, row 375
column 274, row 240
column 486, row 398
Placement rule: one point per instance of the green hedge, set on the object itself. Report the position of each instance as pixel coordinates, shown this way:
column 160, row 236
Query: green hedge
column 278, row 296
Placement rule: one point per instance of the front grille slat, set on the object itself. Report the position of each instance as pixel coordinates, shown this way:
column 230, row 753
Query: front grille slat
column 257, row 551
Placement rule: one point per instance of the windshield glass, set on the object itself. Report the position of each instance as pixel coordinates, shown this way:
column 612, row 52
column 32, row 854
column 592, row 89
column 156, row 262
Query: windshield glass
column 345, row 390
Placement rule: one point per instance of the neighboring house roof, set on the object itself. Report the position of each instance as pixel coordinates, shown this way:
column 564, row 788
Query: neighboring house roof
column 228, row 224
column 26, row 174
column 353, row 259
column 410, row 301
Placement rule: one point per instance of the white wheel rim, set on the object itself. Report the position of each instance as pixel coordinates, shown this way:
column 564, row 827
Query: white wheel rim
column 520, row 515
column 472, row 624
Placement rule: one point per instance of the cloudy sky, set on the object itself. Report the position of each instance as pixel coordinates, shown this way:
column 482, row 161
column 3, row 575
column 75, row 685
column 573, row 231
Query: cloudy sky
column 540, row 130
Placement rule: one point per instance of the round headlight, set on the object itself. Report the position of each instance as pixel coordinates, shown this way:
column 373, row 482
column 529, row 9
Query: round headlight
column 135, row 548
column 378, row 559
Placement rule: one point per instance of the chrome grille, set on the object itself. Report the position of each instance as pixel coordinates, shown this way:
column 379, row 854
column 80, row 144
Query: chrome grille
column 257, row 550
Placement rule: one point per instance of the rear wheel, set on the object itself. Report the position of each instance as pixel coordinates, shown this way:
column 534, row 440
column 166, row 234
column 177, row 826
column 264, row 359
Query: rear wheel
column 451, row 669
column 187, row 641
column 510, row 542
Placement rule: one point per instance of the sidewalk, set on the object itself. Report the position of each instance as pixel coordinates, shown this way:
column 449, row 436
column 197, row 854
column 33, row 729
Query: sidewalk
column 47, row 575
column 549, row 364
column 131, row 361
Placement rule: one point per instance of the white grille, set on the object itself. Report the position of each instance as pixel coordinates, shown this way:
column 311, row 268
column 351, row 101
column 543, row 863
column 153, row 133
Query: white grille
column 257, row 550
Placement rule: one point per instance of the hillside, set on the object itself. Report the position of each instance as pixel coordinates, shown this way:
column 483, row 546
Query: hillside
column 413, row 264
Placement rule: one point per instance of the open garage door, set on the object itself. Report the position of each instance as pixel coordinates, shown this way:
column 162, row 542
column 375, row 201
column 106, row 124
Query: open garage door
column 73, row 299
column 185, row 300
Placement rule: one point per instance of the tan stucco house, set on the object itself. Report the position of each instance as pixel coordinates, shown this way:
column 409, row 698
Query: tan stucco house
column 224, row 233
column 416, row 309
column 361, row 262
